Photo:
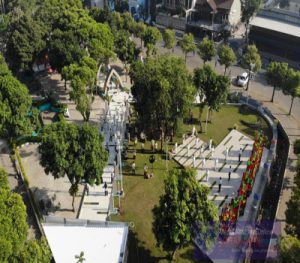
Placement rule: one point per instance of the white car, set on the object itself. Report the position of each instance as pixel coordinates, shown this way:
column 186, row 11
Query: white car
column 242, row 80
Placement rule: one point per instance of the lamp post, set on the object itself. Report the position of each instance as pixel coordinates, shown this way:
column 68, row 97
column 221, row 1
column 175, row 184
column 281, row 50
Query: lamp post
column 206, row 119
column 167, row 141
column 119, row 147
column 252, row 66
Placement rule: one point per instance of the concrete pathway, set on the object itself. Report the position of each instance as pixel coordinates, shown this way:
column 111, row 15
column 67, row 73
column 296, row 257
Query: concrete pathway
column 233, row 142
column 97, row 204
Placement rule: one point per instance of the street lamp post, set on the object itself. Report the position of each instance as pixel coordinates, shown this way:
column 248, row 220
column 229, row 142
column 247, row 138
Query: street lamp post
column 120, row 165
column 167, row 141
column 252, row 65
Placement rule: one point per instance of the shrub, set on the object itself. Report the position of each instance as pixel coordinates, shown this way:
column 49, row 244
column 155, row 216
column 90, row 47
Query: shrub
column 297, row 147
column 26, row 180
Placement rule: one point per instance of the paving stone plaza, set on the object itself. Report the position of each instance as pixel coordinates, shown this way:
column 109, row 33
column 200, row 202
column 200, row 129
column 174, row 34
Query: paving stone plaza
column 215, row 162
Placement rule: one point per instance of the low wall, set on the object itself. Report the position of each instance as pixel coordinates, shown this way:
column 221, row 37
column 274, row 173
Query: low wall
column 172, row 22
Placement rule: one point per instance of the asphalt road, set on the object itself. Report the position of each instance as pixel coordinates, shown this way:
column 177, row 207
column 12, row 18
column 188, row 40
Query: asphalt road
column 258, row 87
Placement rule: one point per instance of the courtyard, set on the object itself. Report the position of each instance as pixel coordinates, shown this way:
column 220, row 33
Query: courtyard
column 141, row 195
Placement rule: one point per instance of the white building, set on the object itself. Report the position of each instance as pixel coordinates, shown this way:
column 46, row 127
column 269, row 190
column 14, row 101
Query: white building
column 103, row 242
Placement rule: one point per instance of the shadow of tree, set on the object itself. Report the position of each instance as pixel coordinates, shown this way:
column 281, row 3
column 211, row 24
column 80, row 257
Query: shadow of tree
column 138, row 253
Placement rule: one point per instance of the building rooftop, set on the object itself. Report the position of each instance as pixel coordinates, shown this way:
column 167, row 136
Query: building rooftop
column 103, row 242
column 277, row 26
column 216, row 4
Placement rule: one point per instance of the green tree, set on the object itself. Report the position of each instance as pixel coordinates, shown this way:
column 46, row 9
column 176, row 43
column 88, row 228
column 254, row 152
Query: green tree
column 125, row 48
column 276, row 75
column 100, row 15
column 207, row 50
column 289, row 249
column 13, row 227
column 64, row 49
column 187, row 44
column 82, row 78
column 292, row 86
column 183, row 205
column 121, row 6
column 150, row 37
column 139, row 31
column 75, row 151
column 249, row 8
column 36, row 251
column 226, row 57
column 24, row 43
column 212, row 86
column 169, row 39
column 158, row 86
column 297, row 147
column 15, row 104
column 128, row 22
column 292, row 214
column 252, row 61
column 76, row 35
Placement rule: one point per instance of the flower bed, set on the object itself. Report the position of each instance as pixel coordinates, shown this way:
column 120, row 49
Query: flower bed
column 231, row 212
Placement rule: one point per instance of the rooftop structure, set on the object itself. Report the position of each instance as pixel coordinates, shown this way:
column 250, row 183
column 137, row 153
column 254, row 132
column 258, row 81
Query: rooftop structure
column 103, row 242
column 277, row 31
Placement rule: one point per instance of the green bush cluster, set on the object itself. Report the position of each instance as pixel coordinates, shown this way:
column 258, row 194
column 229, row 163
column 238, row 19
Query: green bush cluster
column 18, row 157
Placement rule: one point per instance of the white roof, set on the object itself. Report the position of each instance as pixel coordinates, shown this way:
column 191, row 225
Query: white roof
column 275, row 25
column 99, row 243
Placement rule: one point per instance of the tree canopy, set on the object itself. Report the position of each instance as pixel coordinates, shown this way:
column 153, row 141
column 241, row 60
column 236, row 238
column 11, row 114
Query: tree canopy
column 289, row 249
column 277, row 73
column 187, row 44
column 15, row 104
column 13, row 227
column 292, row 86
column 75, row 151
column 124, row 47
column 82, row 76
column 169, row 39
column 207, row 50
column 184, row 212
column 251, row 58
column 158, row 86
column 214, row 87
column 150, row 37
column 25, row 41
column 249, row 8
column 226, row 57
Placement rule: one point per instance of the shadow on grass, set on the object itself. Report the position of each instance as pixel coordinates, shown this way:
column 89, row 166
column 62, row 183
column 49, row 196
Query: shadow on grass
column 138, row 253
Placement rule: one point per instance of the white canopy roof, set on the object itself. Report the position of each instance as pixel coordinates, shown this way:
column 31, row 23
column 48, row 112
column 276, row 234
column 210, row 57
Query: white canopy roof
column 99, row 242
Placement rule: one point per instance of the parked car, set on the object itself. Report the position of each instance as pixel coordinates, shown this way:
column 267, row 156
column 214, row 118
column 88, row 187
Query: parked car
column 242, row 80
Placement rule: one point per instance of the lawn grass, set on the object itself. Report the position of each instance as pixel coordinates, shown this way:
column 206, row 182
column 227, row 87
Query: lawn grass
column 141, row 195
column 245, row 119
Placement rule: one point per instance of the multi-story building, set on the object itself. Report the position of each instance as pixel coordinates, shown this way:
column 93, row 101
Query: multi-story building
column 200, row 16
column 278, row 32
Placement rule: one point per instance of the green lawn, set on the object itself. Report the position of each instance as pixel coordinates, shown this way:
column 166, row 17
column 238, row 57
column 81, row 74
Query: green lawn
column 142, row 194
column 223, row 121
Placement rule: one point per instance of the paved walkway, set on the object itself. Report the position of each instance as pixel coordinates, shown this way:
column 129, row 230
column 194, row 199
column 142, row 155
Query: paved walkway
column 196, row 153
column 96, row 205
